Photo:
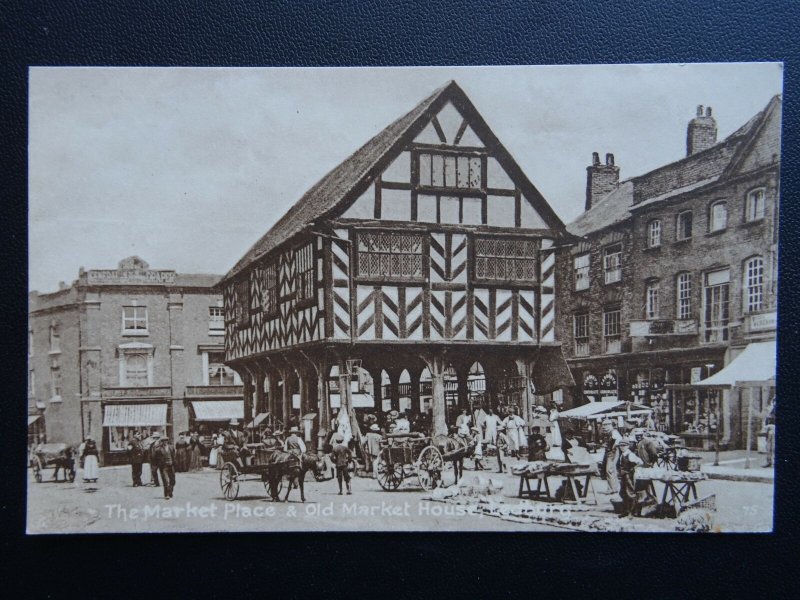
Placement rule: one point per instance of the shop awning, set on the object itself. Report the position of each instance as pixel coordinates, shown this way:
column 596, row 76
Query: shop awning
column 134, row 415
column 32, row 419
column 754, row 365
column 260, row 417
column 360, row 400
column 605, row 409
column 550, row 371
column 218, row 410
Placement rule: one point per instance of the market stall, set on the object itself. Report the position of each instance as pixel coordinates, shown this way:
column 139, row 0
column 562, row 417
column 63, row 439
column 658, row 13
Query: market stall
column 589, row 416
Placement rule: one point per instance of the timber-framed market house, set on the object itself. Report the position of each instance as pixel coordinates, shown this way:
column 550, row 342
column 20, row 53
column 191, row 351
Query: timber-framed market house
column 426, row 255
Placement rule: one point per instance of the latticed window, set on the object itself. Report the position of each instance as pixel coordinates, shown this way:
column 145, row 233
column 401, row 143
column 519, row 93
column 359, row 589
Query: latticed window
column 754, row 284
column 612, row 263
column 387, row 255
column 684, row 286
column 242, row 302
column 216, row 318
column 269, row 294
column 581, row 334
column 612, row 331
column 581, row 268
column 505, row 260
column 304, row 263
column 450, row 170
column 754, row 206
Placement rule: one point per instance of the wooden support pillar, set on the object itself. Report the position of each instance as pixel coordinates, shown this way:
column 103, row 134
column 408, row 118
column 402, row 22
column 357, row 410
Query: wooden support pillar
column 524, row 370
column 286, row 398
column 344, row 388
column 247, row 380
column 259, row 404
column 377, row 387
column 415, row 375
column 462, row 376
column 437, row 365
column 394, row 387
column 323, row 401
column 272, row 397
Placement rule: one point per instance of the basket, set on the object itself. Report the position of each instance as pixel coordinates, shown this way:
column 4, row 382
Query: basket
column 707, row 503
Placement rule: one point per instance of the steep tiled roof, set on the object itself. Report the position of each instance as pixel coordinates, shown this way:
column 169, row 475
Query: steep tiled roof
column 366, row 163
column 611, row 209
column 196, row 280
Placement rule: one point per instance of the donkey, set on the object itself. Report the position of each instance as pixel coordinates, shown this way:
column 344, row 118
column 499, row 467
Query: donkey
column 294, row 468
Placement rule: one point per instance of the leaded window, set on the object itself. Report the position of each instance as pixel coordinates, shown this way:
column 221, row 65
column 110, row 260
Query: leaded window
column 450, row 170
column 390, row 255
column 505, row 260
column 304, row 263
column 242, row 303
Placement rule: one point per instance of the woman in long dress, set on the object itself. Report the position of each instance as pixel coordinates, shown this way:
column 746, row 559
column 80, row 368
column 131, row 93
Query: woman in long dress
column 194, row 452
column 91, row 469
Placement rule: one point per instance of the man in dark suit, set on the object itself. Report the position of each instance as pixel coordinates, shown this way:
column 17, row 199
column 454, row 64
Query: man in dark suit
column 136, row 454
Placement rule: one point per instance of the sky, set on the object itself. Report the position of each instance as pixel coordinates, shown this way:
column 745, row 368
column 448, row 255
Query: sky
column 188, row 167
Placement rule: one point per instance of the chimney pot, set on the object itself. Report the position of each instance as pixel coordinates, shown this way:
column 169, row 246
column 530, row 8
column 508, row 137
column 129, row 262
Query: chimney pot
column 699, row 110
column 609, row 159
column 708, row 111
column 595, row 158
column 701, row 132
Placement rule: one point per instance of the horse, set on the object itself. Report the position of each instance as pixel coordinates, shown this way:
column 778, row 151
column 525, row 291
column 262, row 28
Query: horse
column 294, row 468
column 455, row 449
column 67, row 463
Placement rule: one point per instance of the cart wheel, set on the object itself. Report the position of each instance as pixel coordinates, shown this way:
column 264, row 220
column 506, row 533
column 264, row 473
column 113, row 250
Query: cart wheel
column 429, row 468
column 390, row 475
column 229, row 481
column 37, row 469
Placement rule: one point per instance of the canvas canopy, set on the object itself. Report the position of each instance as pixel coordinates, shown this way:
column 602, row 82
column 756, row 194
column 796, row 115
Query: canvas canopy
column 260, row 417
column 134, row 415
column 32, row 419
column 359, row 400
column 595, row 411
column 755, row 364
column 218, row 410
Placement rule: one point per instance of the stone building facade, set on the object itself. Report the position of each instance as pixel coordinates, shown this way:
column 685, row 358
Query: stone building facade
column 127, row 349
column 675, row 275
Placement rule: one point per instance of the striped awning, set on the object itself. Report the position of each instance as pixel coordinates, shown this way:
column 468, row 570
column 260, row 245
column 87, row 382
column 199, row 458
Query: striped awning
column 132, row 415
column 218, row 410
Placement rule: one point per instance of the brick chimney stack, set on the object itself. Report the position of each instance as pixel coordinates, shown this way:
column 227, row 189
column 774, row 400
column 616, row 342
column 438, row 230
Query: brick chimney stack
column 601, row 180
column 701, row 132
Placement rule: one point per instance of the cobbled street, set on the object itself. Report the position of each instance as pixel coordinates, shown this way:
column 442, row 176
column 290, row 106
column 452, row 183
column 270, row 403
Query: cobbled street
column 113, row 505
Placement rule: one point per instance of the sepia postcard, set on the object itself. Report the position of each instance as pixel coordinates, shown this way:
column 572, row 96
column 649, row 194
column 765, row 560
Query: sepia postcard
column 403, row 299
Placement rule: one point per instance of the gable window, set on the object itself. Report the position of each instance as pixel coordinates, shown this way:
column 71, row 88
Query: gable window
column 683, row 226
column 216, row 319
column 499, row 259
column 581, row 334
column 134, row 319
column 716, row 299
column 218, row 372
column 612, row 341
column 654, row 234
column 390, row 255
column 684, row 289
column 304, row 263
column 580, row 265
column 612, row 264
column 241, row 307
column 450, row 170
column 718, row 216
column 754, row 205
column 651, row 300
column 754, row 284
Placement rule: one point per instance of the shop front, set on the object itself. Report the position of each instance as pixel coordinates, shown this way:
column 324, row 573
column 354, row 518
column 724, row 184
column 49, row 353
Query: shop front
column 209, row 416
column 121, row 420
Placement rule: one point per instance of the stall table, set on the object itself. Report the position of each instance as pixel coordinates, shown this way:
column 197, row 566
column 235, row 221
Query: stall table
column 538, row 494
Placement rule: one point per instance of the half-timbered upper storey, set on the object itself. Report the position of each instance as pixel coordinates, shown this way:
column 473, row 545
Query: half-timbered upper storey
column 429, row 233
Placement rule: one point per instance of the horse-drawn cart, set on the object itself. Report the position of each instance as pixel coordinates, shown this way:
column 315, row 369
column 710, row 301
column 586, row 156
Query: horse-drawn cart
column 250, row 463
column 58, row 456
column 406, row 455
